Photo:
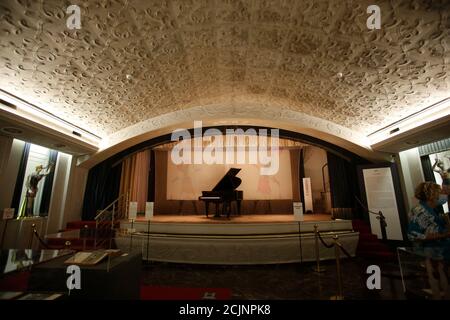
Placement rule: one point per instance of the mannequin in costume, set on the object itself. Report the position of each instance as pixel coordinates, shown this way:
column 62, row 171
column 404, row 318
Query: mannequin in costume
column 445, row 175
column 33, row 180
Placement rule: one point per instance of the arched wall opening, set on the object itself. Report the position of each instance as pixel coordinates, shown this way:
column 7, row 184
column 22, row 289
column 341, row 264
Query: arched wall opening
column 105, row 180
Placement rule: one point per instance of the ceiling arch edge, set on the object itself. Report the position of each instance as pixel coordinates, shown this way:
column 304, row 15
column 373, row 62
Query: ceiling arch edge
column 235, row 114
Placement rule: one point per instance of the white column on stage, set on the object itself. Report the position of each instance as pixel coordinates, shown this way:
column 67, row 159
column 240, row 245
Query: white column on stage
column 307, row 191
column 132, row 212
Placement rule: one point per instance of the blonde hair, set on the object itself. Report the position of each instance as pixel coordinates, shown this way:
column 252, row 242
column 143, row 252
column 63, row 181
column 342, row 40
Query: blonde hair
column 427, row 191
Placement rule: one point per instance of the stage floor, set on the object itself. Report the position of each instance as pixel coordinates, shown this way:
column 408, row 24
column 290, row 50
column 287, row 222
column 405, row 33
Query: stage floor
column 255, row 218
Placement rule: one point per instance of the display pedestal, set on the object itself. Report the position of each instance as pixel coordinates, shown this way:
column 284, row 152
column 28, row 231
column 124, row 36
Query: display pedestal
column 118, row 278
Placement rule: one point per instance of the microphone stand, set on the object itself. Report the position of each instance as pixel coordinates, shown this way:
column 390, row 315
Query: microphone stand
column 380, row 217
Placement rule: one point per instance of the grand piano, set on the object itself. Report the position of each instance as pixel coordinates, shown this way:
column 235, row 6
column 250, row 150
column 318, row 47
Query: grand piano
column 224, row 193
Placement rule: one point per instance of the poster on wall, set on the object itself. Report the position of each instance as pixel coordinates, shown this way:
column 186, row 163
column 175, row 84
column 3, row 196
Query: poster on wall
column 132, row 212
column 149, row 210
column 380, row 193
column 307, row 192
column 298, row 211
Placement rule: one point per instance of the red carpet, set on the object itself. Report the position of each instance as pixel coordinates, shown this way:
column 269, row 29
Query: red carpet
column 176, row 293
column 16, row 281
column 369, row 246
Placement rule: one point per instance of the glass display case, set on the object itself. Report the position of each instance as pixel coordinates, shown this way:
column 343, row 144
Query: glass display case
column 18, row 260
column 425, row 271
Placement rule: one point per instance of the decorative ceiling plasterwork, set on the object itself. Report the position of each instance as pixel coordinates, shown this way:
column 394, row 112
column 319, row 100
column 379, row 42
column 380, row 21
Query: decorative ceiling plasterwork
column 204, row 58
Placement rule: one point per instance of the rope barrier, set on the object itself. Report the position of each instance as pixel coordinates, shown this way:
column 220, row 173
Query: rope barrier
column 329, row 246
column 42, row 242
column 338, row 247
column 343, row 249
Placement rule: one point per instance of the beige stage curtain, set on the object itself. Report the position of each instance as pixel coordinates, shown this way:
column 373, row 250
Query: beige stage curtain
column 282, row 143
column 134, row 179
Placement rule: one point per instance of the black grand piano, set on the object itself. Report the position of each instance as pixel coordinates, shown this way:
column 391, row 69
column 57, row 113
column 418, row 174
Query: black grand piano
column 224, row 193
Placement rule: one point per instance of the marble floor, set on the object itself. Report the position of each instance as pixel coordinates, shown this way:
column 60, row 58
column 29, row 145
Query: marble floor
column 279, row 282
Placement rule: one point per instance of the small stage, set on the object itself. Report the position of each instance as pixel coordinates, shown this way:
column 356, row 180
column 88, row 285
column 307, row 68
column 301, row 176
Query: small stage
column 254, row 218
column 246, row 239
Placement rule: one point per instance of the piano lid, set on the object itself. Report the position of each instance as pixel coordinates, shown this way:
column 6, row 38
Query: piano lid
column 229, row 181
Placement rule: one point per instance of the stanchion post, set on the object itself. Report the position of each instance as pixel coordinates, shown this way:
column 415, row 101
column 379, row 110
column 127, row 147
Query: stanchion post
column 33, row 226
column 148, row 238
column 131, row 235
column 300, row 242
column 111, row 232
column 317, row 268
column 85, row 230
column 3, row 234
column 95, row 234
column 340, row 295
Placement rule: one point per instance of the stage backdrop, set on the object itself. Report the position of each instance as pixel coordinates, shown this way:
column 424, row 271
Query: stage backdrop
column 187, row 181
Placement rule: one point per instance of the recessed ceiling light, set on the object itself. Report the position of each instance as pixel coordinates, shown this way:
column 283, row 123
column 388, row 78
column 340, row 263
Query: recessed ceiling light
column 339, row 75
column 129, row 76
column 11, row 130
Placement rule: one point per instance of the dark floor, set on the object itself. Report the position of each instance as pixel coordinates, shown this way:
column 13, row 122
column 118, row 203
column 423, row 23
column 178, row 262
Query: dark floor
column 283, row 281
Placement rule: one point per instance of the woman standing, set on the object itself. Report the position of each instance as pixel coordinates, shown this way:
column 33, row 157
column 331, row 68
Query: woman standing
column 425, row 224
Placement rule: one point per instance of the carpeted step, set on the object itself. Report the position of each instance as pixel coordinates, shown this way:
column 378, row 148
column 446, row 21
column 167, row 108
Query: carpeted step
column 375, row 246
column 15, row 281
column 385, row 256
column 367, row 237
column 80, row 224
column 369, row 246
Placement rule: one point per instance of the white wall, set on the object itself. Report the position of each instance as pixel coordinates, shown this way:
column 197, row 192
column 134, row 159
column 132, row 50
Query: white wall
column 412, row 174
column 75, row 193
column 5, row 149
column 9, row 175
column 59, row 192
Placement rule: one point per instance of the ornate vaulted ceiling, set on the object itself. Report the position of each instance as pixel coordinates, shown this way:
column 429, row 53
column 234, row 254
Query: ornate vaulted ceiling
column 182, row 54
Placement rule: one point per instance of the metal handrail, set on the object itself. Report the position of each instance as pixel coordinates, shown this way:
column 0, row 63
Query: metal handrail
column 101, row 214
column 110, row 205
